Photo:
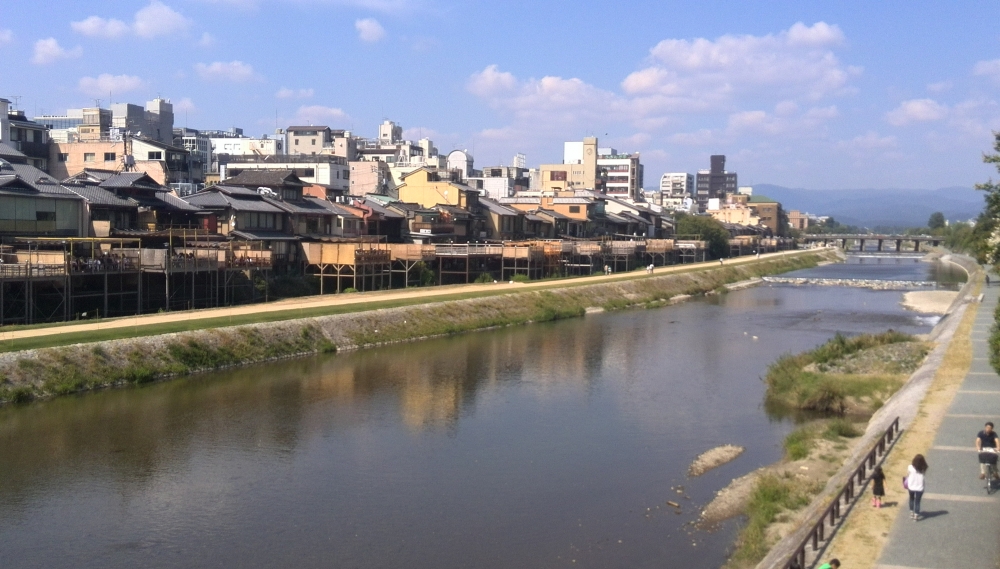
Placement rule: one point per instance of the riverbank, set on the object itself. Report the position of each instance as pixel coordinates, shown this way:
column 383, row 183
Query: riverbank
column 48, row 372
column 919, row 404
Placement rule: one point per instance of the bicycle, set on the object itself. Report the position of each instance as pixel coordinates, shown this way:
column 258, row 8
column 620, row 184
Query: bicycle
column 989, row 457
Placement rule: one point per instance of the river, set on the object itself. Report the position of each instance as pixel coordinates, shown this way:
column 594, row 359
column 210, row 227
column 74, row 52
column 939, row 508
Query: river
column 550, row 445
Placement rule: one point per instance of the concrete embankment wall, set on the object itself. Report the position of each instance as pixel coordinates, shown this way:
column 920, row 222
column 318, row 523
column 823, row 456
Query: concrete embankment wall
column 61, row 370
column 904, row 404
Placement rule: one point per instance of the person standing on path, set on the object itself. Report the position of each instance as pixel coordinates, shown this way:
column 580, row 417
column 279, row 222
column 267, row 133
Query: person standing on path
column 986, row 438
column 878, row 487
column 915, row 484
column 833, row 564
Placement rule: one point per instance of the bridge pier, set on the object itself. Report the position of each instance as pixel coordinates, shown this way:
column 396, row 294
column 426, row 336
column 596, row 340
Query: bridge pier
column 879, row 245
column 861, row 245
column 899, row 245
column 916, row 245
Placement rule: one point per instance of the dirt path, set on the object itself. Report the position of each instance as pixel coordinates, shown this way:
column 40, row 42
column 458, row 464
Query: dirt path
column 309, row 302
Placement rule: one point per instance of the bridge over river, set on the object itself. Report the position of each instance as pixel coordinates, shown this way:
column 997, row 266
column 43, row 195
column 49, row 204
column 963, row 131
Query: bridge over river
column 885, row 242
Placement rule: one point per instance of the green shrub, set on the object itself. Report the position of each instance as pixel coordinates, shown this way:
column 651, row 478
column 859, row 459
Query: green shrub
column 520, row 278
column 349, row 289
column 799, row 442
column 840, row 428
column 484, row 278
column 772, row 495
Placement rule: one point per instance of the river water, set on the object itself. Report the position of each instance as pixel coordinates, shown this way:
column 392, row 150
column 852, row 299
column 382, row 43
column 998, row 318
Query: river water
column 551, row 445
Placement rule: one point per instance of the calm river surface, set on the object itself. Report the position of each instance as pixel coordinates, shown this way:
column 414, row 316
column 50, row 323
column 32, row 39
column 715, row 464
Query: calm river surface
column 551, row 445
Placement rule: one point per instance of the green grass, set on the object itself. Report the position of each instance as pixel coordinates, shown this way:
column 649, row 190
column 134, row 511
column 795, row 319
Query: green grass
column 790, row 385
column 840, row 427
column 994, row 341
column 799, row 442
column 772, row 495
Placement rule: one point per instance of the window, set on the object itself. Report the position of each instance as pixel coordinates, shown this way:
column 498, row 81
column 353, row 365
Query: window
column 296, row 142
column 557, row 176
column 574, row 209
column 109, row 156
column 63, row 157
column 313, row 142
column 45, row 216
column 88, row 156
column 154, row 156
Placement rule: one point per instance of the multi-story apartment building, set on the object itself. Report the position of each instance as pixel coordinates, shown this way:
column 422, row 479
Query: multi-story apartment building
column 27, row 137
column 618, row 174
column 713, row 183
column 92, row 123
column 154, row 122
column 677, row 184
column 199, row 148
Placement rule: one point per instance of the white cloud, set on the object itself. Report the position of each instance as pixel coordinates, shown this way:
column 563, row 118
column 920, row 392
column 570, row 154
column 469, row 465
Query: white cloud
column 868, row 141
column 796, row 63
column 154, row 20
column 286, row 93
column 369, row 30
column 106, row 83
column 49, row 51
column 989, row 68
column 158, row 19
column 916, row 110
column 6, row 37
column 98, row 27
column 313, row 114
column 207, row 40
column 491, row 81
column 940, row 86
column 235, row 71
column 185, row 105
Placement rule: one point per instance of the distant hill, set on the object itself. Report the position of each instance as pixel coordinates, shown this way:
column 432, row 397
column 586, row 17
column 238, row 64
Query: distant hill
column 886, row 208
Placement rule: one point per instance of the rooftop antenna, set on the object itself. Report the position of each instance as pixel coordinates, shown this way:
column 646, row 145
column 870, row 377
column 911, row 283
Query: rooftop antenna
column 97, row 102
column 17, row 99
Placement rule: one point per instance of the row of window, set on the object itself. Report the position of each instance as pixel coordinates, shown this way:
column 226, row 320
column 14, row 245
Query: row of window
column 111, row 156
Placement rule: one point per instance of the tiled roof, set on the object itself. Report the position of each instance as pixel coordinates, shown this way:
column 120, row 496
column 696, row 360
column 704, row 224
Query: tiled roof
column 524, row 200
column 100, row 196
column 217, row 200
column 497, row 208
column 760, row 199
column 581, row 201
column 9, row 152
column 132, row 180
column 265, row 178
column 304, row 207
column 382, row 210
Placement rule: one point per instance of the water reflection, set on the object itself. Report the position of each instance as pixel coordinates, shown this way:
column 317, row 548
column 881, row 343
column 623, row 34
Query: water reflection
column 539, row 446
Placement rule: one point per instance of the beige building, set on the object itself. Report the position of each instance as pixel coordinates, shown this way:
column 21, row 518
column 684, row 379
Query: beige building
column 427, row 188
column 164, row 164
column 370, row 178
column 578, row 170
column 798, row 220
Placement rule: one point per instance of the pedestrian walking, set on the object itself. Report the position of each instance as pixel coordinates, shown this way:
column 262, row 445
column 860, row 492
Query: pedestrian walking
column 878, row 487
column 914, row 483
column 833, row 564
column 987, row 280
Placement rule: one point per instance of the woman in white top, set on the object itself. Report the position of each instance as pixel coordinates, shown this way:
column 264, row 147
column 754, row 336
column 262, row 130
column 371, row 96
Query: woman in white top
column 915, row 484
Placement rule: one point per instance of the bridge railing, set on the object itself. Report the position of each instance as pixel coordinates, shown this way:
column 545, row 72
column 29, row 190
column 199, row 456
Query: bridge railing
column 833, row 512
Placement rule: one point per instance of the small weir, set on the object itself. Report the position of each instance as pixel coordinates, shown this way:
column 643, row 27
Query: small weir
column 857, row 283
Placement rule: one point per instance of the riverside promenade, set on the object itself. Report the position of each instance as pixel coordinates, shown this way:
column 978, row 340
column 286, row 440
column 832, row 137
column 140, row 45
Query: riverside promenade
column 961, row 524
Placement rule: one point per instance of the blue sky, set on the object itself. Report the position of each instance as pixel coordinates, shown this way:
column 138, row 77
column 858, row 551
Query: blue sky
column 833, row 94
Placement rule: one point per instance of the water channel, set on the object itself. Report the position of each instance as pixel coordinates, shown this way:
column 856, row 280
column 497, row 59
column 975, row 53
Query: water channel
column 551, row 445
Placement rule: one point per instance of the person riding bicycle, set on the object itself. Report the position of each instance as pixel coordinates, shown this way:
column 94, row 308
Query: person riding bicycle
column 986, row 439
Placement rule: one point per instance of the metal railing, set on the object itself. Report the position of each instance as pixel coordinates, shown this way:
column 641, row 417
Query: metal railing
column 832, row 513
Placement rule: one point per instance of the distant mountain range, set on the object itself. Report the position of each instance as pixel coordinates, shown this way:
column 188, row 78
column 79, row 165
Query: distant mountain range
column 879, row 208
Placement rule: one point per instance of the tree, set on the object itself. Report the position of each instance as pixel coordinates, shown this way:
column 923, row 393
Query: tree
column 708, row 229
column 987, row 230
column 936, row 220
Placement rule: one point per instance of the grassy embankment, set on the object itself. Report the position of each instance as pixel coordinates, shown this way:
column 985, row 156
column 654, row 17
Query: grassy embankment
column 845, row 374
column 127, row 356
column 994, row 341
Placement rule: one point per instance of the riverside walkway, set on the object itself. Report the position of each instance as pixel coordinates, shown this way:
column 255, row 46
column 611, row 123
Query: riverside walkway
column 961, row 524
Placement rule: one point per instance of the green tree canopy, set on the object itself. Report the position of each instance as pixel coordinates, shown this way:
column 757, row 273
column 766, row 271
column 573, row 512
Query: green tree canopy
column 709, row 229
column 936, row 220
column 987, row 230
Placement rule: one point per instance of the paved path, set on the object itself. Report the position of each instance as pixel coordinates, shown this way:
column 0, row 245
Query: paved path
column 960, row 530
column 331, row 300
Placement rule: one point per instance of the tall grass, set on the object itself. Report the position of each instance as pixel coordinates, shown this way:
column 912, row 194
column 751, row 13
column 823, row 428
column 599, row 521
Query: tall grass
column 772, row 495
column 790, row 384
